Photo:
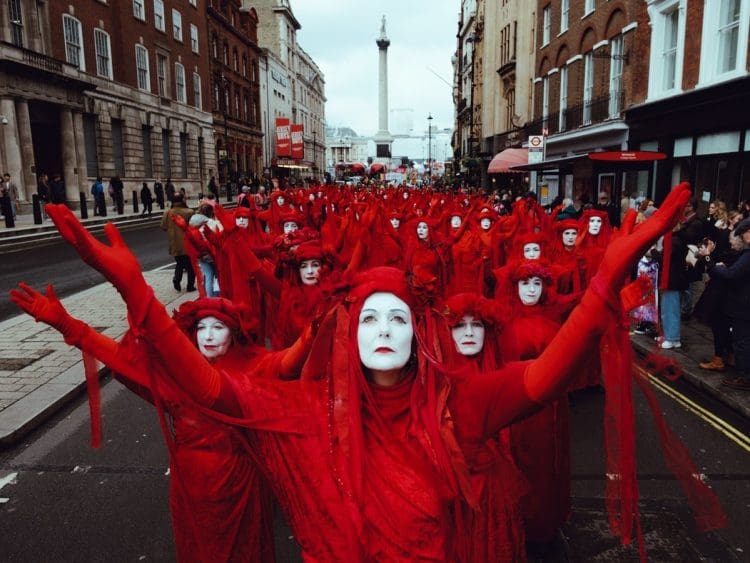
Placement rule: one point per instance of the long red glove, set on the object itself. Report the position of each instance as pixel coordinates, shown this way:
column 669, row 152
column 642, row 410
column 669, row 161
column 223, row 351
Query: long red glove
column 548, row 376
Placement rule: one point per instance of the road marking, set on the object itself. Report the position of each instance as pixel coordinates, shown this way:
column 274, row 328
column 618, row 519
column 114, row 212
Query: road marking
column 4, row 481
column 719, row 424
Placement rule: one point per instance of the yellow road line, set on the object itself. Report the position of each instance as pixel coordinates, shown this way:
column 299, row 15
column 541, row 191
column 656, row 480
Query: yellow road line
column 719, row 424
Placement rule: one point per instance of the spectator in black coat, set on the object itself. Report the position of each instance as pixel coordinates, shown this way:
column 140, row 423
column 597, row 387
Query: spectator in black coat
column 57, row 189
column 146, row 200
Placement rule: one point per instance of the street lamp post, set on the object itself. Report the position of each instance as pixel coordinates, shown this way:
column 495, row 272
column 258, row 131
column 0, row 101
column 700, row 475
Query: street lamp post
column 429, row 143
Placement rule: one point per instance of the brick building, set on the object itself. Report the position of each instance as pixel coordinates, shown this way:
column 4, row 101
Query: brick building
column 235, row 86
column 586, row 73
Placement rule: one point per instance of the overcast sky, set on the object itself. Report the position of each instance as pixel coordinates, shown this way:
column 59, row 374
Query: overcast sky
column 340, row 36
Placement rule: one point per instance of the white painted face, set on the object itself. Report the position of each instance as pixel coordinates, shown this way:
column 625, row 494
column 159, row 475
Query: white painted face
column 532, row 251
column 242, row 222
column 213, row 337
column 485, row 223
column 406, row 195
column 385, row 332
column 311, row 197
column 456, row 221
column 530, row 290
column 468, row 335
column 395, row 222
column 280, row 200
column 595, row 225
column 290, row 227
column 309, row 271
column 423, row 231
column 569, row 237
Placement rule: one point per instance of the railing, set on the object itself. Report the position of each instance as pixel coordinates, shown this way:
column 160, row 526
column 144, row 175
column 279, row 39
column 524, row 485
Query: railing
column 44, row 62
column 581, row 115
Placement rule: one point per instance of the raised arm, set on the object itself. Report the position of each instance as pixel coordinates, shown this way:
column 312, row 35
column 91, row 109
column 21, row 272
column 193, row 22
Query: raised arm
column 600, row 308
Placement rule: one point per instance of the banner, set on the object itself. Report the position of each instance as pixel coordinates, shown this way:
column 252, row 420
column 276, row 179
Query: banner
column 298, row 144
column 283, row 137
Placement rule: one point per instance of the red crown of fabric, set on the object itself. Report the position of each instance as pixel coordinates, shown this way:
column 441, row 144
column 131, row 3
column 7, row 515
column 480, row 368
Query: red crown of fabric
column 488, row 214
column 309, row 250
column 242, row 212
column 462, row 304
column 530, row 269
column 381, row 279
column 189, row 313
column 565, row 225
column 291, row 216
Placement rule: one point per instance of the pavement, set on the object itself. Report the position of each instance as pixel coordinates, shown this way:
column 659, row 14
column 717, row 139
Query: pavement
column 40, row 374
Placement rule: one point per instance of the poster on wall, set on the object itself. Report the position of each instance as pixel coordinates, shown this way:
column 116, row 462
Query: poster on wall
column 298, row 144
column 283, row 137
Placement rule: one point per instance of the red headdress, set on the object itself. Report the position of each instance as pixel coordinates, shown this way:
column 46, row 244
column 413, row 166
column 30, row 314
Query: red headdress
column 565, row 225
column 290, row 215
column 242, row 211
column 235, row 317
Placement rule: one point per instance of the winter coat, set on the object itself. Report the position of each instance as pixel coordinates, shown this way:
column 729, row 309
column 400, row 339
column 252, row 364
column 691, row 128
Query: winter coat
column 175, row 234
column 736, row 303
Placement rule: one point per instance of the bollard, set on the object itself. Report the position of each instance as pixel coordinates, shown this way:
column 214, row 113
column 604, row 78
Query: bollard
column 7, row 212
column 84, row 207
column 36, row 208
column 135, row 201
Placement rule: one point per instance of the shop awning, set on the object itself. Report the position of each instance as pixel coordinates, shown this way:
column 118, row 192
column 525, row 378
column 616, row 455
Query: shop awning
column 627, row 156
column 551, row 164
column 501, row 163
column 377, row 167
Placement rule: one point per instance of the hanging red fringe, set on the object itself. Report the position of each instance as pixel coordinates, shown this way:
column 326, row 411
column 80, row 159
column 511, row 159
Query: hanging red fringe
column 91, row 369
column 658, row 364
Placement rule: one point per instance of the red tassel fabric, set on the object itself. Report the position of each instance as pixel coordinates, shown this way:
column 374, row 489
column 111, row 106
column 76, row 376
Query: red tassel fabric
column 91, row 369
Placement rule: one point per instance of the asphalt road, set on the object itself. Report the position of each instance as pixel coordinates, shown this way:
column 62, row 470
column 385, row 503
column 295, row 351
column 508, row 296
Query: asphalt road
column 67, row 502
column 56, row 262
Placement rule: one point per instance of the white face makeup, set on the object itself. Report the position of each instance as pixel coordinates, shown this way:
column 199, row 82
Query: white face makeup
column 290, row 227
column 595, row 225
column 530, row 290
column 213, row 337
column 532, row 251
column 468, row 335
column 423, row 231
column 242, row 222
column 395, row 222
column 485, row 223
column 311, row 197
column 309, row 271
column 406, row 195
column 280, row 200
column 385, row 333
column 569, row 237
column 455, row 221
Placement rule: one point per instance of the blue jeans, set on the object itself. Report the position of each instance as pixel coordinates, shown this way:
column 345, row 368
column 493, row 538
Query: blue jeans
column 669, row 305
column 209, row 275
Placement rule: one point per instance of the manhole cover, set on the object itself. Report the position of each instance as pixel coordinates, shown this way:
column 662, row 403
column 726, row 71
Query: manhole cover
column 16, row 364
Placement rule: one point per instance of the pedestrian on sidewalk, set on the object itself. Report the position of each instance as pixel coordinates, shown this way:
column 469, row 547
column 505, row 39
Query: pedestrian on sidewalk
column 118, row 189
column 100, row 204
column 146, row 200
column 43, row 191
column 9, row 190
column 169, row 189
column 737, row 301
column 159, row 194
column 176, row 237
column 57, row 189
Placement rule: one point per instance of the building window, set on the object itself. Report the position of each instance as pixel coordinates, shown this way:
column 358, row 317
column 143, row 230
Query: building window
column 89, row 139
column 177, row 25
column 546, row 25
column 667, row 47
column 564, row 12
column 159, row 14
column 194, row 38
column 726, row 25
column 73, row 43
column 588, row 86
column 563, row 98
column 246, row 108
column 16, row 22
column 215, row 46
column 615, row 77
column 244, row 66
column 193, row 3
column 103, row 56
column 183, row 155
column 226, row 54
column 139, row 10
column 589, row 6
column 669, row 50
column 148, row 161
column 545, row 101
column 197, row 96
column 166, row 153
column 162, row 79
column 117, row 151
column 141, row 66
column 179, row 78
column 235, row 61
column 237, row 104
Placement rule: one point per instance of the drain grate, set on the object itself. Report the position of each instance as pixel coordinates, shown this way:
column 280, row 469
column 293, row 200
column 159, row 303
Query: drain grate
column 16, row 364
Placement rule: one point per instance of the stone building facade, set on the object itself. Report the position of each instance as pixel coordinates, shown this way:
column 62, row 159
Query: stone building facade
column 277, row 32
column 234, row 58
column 105, row 89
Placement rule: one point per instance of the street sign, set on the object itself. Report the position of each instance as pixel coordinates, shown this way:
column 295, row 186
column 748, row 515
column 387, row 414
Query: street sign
column 222, row 153
column 536, row 142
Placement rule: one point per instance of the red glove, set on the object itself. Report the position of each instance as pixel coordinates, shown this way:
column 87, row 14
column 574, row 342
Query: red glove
column 48, row 309
column 116, row 262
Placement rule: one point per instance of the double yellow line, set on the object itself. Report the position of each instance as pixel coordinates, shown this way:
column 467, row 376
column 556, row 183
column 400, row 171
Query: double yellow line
column 722, row 426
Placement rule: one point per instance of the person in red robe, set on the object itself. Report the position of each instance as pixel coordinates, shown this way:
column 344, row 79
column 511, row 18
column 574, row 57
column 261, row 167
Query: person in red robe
column 369, row 466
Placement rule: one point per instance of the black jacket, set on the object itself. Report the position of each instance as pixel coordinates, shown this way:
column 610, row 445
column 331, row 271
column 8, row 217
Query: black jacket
column 737, row 278
column 680, row 274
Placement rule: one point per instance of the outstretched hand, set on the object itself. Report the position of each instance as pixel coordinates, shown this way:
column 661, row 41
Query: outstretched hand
column 114, row 261
column 632, row 241
column 44, row 308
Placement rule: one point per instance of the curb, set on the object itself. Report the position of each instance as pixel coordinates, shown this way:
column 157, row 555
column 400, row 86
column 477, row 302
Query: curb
column 709, row 382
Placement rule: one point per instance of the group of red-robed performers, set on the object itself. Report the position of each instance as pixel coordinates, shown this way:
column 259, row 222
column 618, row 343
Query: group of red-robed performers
column 390, row 364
